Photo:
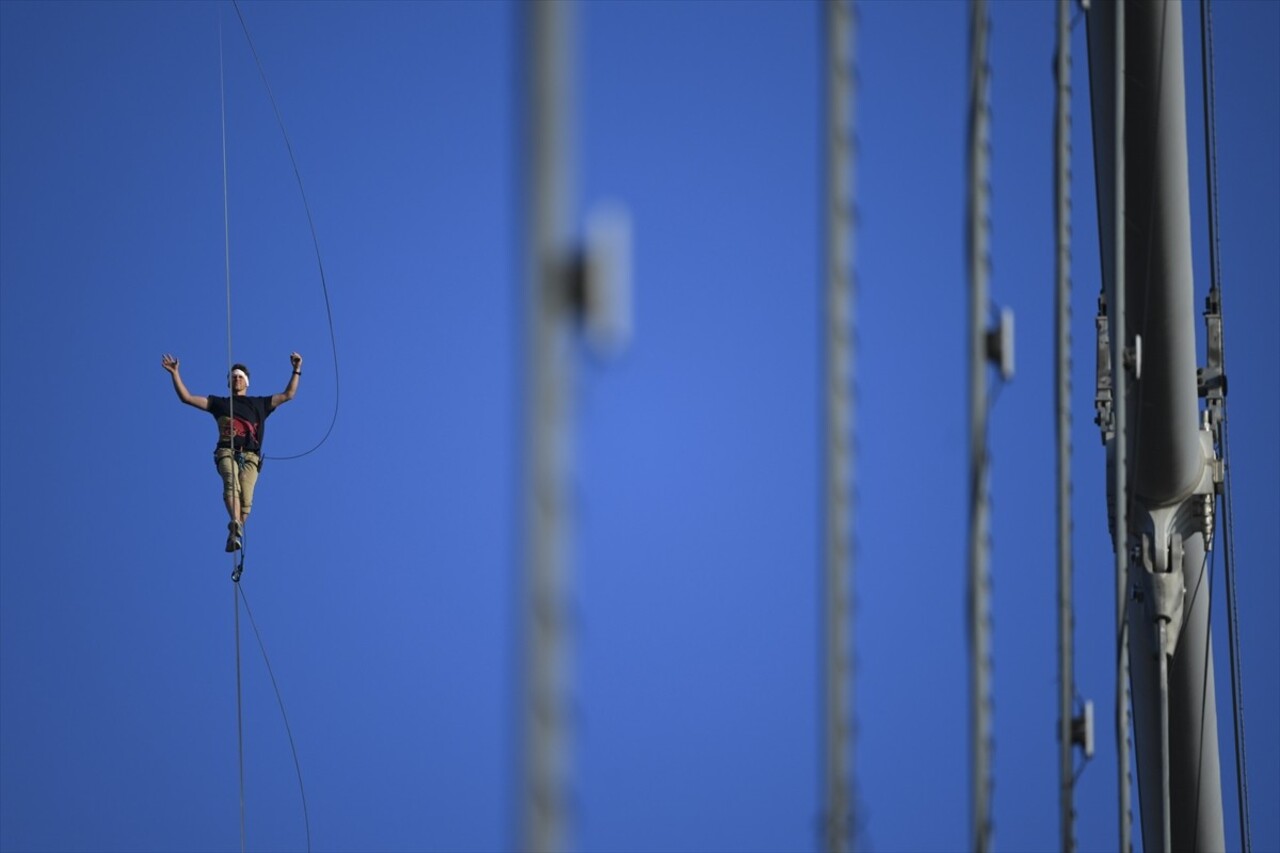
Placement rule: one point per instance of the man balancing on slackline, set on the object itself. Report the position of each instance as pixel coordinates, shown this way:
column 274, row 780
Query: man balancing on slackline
column 241, row 422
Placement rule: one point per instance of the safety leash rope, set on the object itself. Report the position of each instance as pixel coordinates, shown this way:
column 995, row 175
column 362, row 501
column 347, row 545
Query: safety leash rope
column 235, row 488
column 315, row 240
column 235, row 603
column 297, row 766
column 237, row 459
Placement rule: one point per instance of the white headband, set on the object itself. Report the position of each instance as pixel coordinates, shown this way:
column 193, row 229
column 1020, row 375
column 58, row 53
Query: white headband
column 240, row 372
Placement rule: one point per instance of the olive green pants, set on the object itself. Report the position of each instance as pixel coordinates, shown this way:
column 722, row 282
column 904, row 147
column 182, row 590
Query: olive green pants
column 238, row 478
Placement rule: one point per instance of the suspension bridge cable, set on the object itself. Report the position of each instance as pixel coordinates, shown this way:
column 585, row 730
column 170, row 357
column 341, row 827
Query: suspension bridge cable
column 1145, row 284
column 315, row 240
column 1207, row 561
column 1228, row 533
column 1233, row 636
column 1210, row 140
column 839, row 24
column 1120, row 472
column 1062, row 433
column 978, row 582
column 226, row 231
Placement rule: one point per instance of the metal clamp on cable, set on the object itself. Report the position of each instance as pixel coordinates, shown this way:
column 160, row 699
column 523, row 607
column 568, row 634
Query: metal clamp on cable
column 1163, row 588
column 1102, row 399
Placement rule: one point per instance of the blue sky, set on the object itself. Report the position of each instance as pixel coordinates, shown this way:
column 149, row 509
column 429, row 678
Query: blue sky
column 384, row 566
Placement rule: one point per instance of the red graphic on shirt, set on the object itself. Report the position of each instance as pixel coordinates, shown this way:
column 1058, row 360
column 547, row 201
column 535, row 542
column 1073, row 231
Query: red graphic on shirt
column 244, row 430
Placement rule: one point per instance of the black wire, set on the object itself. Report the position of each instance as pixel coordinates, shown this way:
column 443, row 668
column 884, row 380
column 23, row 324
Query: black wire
column 1207, row 584
column 238, row 589
column 315, row 240
column 239, row 705
column 1215, row 285
column 1233, row 639
column 1211, row 140
column 280, row 701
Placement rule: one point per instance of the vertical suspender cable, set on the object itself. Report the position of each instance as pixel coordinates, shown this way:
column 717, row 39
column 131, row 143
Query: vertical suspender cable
column 226, row 228
column 1062, row 367
column 1162, row 680
column 979, row 581
column 1119, row 337
column 1215, row 285
column 1233, row 639
column 548, row 639
column 838, row 575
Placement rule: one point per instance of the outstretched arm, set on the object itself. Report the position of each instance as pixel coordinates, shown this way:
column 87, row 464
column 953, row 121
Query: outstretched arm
column 170, row 364
column 292, row 388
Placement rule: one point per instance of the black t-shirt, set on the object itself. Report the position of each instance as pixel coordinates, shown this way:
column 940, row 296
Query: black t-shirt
column 250, row 415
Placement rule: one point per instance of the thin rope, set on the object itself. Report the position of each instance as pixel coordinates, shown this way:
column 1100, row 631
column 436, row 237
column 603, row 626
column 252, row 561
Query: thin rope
column 235, row 602
column 1209, row 560
column 226, row 231
column 1210, row 140
column 226, row 214
column 1233, row 637
column 315, row 240
column 238, row 590
column 280, row 701
column 1228, row 535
